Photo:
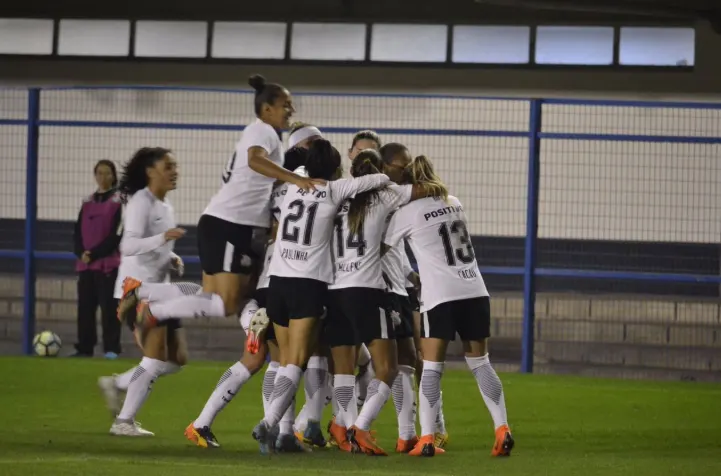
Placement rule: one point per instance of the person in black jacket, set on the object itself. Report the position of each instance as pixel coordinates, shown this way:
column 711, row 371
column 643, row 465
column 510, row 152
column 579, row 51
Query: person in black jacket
column 97, row 239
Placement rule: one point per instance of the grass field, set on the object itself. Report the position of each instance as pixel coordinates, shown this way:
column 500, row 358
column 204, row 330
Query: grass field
column 56, row 424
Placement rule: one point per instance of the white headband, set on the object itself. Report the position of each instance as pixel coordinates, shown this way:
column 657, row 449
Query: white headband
column 302, row 134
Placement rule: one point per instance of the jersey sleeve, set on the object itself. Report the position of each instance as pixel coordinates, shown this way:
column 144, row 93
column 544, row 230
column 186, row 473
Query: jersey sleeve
column 398, row 195
column 344, row 189
column 135, row 220
column 261, row 135
column 398, row 228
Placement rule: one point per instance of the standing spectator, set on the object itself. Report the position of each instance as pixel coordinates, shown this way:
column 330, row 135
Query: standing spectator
column 97, row 238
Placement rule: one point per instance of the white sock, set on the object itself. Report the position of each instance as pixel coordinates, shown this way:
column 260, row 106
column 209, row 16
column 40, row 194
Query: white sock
column 286, row 421
column 123, row 380
column 345, row 400
column 268, row 382
column 141, row 383
column 189, row 307
column 363, row 381
column 430, row 395
column 286, row 384
column 228, row 385
column 165, row 291
column 440, row 419
column 315, row 383
column 378, row 393
column 491, row 388
column 404, row 399
column 249, row 310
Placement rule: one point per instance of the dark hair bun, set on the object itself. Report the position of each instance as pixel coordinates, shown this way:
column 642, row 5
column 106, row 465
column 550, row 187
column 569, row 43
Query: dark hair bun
column 257, row 82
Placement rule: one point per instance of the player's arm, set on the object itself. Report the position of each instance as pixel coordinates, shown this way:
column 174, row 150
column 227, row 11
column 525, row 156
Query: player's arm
column 259, row 162
column 344, row 189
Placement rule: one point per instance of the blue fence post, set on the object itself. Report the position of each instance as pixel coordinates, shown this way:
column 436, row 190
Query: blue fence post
column 31, row 209
column 529, row 266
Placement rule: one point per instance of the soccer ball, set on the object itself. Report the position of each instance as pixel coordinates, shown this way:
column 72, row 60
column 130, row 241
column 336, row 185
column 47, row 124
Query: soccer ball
column 47, row 344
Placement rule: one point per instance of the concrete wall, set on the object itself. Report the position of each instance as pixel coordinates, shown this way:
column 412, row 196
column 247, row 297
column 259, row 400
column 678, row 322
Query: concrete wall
column 589, row 189
column 597, row 335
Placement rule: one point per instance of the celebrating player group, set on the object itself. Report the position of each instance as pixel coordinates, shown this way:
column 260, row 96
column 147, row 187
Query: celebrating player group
column 314, row 266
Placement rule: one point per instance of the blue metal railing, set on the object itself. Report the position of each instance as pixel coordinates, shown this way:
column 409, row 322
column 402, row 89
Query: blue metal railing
column 535, row 135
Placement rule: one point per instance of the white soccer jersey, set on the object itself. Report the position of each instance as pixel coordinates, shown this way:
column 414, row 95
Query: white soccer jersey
column 438, row 236
column 392, row 263
column 276, row 201
column 357, row 256
column 145, row 254
column 302, row 245
column 244, row 197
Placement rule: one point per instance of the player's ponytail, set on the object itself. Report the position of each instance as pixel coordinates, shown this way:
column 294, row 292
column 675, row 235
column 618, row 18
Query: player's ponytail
column 265, row 92
column 135, row 175
column 420, row 172
column 367, row 162
column 323, row 160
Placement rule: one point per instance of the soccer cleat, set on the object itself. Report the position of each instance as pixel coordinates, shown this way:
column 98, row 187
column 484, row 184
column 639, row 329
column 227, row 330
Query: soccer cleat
column 128, row 428
column 265, row 438
column 129, row 301
column 288, row 443
column 313, row 435
column 111, row 393
column 339, row 436
column 363, row 442
column 405, row 446
column 504, row 442
column 256, row 330
column 144, row 318
column 202, row 437
column 425, row 447
column 440, row 440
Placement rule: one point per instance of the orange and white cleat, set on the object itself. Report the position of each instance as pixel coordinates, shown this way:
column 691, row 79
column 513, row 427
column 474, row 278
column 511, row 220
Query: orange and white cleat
column 405, row 446
column 129, row 301
column 363, row 442
column 426, row 447
column 338, row 436
column 256, row 330
column 504, row 442
column 144, row 318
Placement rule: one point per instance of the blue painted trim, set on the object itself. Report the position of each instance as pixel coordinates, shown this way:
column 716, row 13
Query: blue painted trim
column 31, row 211
column 630, row 138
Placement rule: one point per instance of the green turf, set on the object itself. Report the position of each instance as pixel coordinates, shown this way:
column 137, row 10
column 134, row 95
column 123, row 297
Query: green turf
column 55, row 423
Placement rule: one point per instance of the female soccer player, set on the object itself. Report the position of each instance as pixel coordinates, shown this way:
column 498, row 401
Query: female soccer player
column 147, row 253
column 410, row 361
column 260, row 340
column 301, row 269
column 242, row 205
column 454, row 299
column 357, row 305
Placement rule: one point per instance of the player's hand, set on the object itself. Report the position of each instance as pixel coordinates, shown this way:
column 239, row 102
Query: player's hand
column 174, row 234
column 85, row 258
column 177, row 265
column 308, row 184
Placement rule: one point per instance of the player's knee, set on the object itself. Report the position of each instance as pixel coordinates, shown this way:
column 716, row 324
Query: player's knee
column 386, row 370
column 407, row 354
column 253, row 362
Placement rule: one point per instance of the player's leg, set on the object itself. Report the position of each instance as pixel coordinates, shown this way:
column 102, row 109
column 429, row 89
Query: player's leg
column 441, row 434
column 199, row 431
column 474, row 317
column 342, row 337
column 404, row 395
column 365, row 374
column 315, row 377
column 375, row 326
column 437, row 328
column 150, row 368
